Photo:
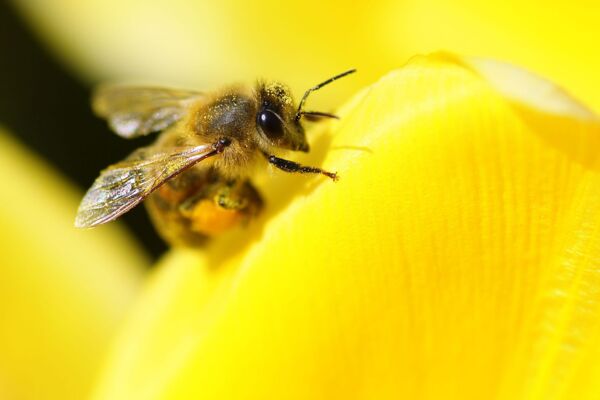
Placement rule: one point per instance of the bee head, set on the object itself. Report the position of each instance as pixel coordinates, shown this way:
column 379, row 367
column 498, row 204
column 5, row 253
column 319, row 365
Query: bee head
column 278, row 118
column 275, row 118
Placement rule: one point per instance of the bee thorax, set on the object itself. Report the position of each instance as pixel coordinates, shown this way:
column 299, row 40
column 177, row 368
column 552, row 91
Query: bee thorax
column 237, row 160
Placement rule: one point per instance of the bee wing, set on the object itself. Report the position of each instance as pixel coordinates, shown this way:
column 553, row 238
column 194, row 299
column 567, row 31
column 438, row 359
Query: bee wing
column 122, row 186
column 137, row 111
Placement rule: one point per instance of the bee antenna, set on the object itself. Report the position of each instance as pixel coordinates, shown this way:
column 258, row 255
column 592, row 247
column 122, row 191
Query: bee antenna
column 317, row 87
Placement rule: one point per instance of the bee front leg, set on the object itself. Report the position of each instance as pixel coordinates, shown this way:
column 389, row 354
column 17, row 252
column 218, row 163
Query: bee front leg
column 291, row 166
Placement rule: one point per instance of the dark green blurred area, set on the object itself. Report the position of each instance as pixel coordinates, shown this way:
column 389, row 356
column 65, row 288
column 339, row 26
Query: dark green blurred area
column 47, row 108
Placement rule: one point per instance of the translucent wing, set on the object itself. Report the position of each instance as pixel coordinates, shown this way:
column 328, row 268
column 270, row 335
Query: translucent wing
column 137, row 111
column 122, row 186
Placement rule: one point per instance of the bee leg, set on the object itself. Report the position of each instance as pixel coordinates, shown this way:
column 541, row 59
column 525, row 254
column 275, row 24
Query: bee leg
column 221, row 206
column 199, row 204
column 291, row 166
column 228, row 197
column 232, row 195
column 239, row 195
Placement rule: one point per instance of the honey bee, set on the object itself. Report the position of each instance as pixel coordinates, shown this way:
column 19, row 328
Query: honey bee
column 196, row 176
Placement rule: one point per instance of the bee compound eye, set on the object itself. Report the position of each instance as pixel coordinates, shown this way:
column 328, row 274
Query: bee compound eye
column 270, row 123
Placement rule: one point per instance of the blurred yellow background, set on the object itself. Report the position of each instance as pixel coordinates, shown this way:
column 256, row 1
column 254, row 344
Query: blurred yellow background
column 207, row 43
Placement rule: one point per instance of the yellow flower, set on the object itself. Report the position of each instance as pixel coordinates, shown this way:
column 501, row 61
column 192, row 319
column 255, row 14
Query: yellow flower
column 457, row 257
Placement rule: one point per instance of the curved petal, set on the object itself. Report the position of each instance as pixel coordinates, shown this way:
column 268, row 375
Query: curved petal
column 456, row 258
column 62, row 291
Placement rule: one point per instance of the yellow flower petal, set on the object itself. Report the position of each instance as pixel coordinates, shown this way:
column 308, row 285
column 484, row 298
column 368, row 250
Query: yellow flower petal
column 524, row 87
column 62, row 291
column 456, row 258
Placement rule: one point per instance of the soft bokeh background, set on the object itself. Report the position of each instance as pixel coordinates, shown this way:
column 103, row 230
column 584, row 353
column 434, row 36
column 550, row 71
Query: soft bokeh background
column 47, row 108
column 53, row 51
